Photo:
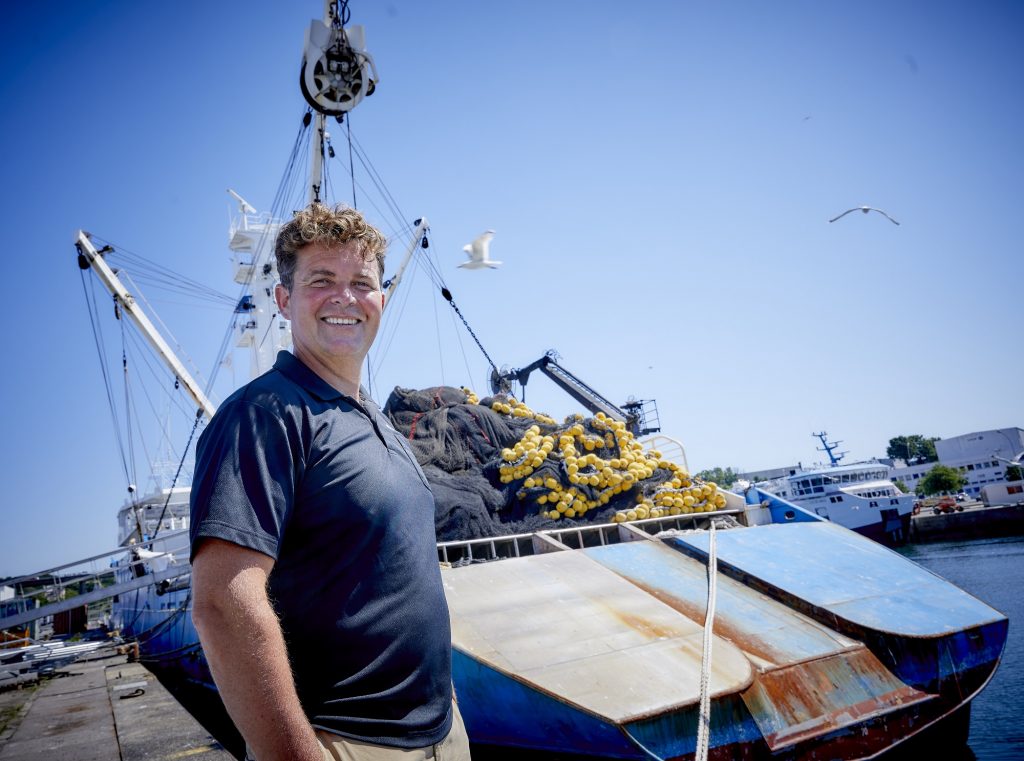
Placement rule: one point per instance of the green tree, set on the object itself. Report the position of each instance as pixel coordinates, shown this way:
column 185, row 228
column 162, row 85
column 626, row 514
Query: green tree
column 942, row 478
column 1013, row 473
column 913, row 450
column 899, row 484
column 724, row 478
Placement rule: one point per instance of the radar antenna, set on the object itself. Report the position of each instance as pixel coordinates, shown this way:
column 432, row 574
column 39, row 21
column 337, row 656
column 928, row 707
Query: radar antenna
column 829, row 447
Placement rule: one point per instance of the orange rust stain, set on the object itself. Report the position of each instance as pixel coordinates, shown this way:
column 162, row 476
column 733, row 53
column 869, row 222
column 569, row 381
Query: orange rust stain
column 723, row 628
column 649, row 628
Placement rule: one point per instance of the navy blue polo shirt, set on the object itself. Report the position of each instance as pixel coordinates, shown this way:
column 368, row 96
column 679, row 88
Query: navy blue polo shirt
column 292, row 468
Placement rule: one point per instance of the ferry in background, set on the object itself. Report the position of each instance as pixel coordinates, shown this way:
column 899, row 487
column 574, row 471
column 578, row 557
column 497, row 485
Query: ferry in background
column 860, row 496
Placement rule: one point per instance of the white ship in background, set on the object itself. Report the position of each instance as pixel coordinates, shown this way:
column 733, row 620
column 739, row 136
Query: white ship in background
column 860, row 495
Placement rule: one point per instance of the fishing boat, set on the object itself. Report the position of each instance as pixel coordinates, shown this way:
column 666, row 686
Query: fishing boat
column 630, row 610
column 860, row 495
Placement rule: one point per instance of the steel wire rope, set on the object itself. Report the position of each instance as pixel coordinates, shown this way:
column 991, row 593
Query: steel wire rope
column 165, row 623
column 406, row 294
column 391, row 327
column 135, row 604
column 156, row 271
column 352, row 173
column 180, row 352
column 141, row 297
column 391, row 323
column 447, row 294
column 161, row 374
column 396, row 227
column 166, row 439
column 127, row 404
column 378, row 184
column 276, row 212
column 101, row 352
column 437, row 334
column 377, row 180
column 151, row 459
column 131, row 412
column 181, row 463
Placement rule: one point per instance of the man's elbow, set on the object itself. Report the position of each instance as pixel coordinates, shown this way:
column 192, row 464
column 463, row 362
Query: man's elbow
column 227, row 583
column 208, row 605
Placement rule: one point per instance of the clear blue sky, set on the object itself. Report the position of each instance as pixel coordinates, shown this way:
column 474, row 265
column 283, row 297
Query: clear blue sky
column 660, row 176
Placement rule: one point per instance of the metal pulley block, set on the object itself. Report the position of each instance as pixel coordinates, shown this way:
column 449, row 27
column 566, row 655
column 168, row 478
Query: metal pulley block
column 337, row 72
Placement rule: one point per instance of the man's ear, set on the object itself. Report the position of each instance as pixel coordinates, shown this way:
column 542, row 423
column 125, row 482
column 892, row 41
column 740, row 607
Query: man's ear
column 281, row 296
column 382, row 301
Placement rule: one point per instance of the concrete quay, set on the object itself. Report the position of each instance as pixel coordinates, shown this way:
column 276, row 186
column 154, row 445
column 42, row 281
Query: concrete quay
column 975, row 522
column 103, row 709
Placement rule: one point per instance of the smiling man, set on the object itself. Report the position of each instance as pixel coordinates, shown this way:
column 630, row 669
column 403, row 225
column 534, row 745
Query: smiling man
column 316, row 589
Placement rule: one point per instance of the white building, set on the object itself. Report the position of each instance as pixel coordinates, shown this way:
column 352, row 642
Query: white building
column 977, row 455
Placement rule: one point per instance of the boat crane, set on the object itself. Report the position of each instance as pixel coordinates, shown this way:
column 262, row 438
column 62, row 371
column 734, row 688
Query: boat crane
column 631, row 413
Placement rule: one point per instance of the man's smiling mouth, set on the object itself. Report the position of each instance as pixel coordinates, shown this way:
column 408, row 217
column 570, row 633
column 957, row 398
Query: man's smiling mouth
column 340, row 320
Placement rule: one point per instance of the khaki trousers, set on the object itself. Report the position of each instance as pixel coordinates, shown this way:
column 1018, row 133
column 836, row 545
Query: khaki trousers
column 455, row 747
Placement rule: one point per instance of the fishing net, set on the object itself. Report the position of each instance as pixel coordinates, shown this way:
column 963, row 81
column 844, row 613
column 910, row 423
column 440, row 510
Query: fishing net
column 497, row 467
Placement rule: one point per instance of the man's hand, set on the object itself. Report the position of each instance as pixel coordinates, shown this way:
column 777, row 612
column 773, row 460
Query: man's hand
column 245, row 649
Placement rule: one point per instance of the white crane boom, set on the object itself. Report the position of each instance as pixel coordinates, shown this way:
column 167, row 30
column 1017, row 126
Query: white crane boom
column 113, row 284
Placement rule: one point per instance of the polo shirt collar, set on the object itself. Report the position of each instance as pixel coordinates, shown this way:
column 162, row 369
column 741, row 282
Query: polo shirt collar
column 292, row 368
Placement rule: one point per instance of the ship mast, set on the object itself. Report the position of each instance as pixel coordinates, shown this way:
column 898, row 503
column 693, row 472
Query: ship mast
column 830, row 447
column 90, row 257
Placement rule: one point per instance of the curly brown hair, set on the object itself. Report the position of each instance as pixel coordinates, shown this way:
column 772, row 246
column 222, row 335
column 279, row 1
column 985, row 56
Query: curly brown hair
column 318, row 223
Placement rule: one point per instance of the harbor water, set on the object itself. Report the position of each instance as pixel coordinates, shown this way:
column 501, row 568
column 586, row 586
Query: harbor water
column 993, row 571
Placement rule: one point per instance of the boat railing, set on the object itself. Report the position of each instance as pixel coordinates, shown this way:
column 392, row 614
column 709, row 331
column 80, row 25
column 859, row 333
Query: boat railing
column 488, row 549
column 95, row 578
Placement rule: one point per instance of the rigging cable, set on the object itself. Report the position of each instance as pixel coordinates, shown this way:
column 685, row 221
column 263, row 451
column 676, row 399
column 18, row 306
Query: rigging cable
column 100, row 353
column 127, row 405
column 352, row 167
column 184, row 456
column 285, row 189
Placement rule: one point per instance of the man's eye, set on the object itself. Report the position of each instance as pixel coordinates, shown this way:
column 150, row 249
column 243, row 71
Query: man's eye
column 320, row 282
column 364, row 285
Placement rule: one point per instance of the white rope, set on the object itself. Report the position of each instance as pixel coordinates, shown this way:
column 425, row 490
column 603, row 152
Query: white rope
column 704, row 720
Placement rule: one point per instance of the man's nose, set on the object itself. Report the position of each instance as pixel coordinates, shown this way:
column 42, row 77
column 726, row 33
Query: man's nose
column 344, row 294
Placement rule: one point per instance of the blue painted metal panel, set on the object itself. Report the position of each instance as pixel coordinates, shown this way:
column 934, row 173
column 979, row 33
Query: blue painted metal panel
column 781, row 510
column 752, row 621
column 847, row 576
column 500, row 710
column 731, row 729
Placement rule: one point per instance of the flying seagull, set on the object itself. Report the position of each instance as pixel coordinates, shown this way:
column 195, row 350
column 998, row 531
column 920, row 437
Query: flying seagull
column 865, row 209
column 477, row 252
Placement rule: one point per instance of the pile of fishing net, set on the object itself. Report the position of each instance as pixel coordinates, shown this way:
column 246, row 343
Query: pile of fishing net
column 497, row 467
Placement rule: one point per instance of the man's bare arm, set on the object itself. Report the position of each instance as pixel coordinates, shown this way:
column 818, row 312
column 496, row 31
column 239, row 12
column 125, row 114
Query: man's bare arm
column 245, row 648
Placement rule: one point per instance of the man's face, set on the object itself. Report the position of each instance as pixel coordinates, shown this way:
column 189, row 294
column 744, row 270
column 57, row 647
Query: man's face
column 335, row 306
